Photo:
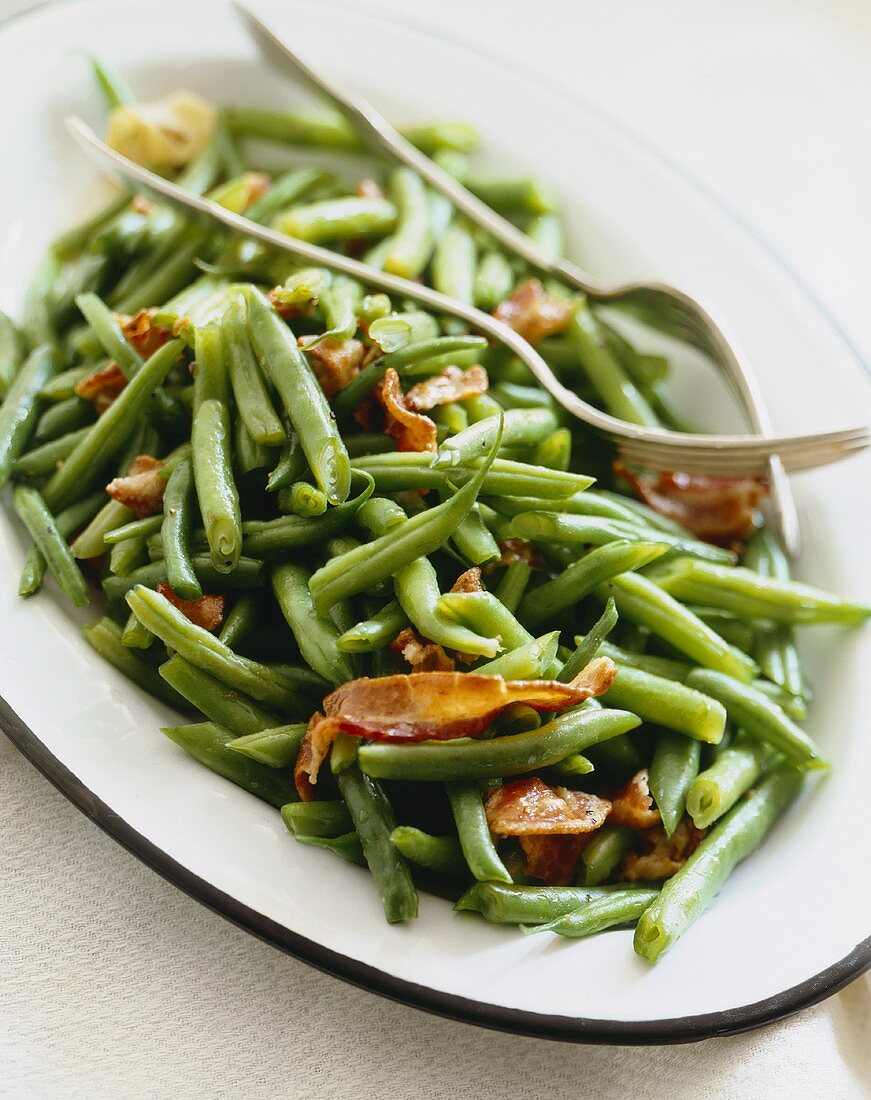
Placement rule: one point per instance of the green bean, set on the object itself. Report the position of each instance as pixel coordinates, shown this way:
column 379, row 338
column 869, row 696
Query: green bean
column 39, row 323
column 374, row 633
column 291, row 465
column 645, row 603
column 718, row 788
column 657, row 666
column 747, row 594
column 588, row 647
column 778, row 659
column 503, row 903
column 668, row 703
column 516, row 754
column 643, row 513
column 48, row 457
column 482, row 611
column 618, row 393
column 507, row 194
column 62, row 418
column 20, row 408
column 412, row 470
column 277, row 747
column 526, row 662
column 302, row 397
column 404, row 330
column 604, row 851
column 585, row 575
column 175, row 533
column 642, row 369
column 546, row 230
column 347, row 846
column 326, row 819
column 207, row 742
column 513, row 395
column 104, row 636
column 441, row 854
column 411, row 541
column 316, row 635
column 339, row 303
column 794, row 705
column 380, row 514
column 451, row 418
column 216, row 490
column 473, row 541
column 619, row 907
column 228, row 707
column 284, row 191
column 12, row 352
column 584, row 503
column 759, row 717
column 247, row 574
column 403, row 354
column 735, row 631
column 687, row 893
column 113, row 89
column 494, row 278
column 617, row 757
column 276, row 536
column 513, row 585
column 127, row 556
column 111, row 516
column 555, row 451
column 412, row 241
column 322, row 131
column 108, row 435
column 68, row 521
column 374, row 306
column 81, row 236
column 135, row 635
column 477, row 845
column 306, row 500
column 44, row 531
column 453, row 264
column 674, row 766
column 524, row 427
column 249, row 391
column 337, row 219
column 63, row 385
column 239, row 621
column 373, row 819
column 430, row 137
column 576, row 764
column 204, row 650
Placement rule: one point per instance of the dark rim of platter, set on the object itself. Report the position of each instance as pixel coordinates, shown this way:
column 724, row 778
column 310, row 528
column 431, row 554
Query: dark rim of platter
column 682, row 1029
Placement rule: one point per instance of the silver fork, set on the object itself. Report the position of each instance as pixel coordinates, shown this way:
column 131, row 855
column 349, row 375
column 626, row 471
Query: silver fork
column 730, row 455
column 659, row 305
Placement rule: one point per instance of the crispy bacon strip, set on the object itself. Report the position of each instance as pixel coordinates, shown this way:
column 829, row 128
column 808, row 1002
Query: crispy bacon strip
column 664, row 855
column 412, row 431
column 441, row 706
column 633, row 805
column 529, row 807
column 142, row 489
column 305, row 771
column 334, row 362
column 532, row 313
column 452, row 384
column 207, row 611
column 423, row 656
column 102, row 387
column 718, row 509
column 142, row 332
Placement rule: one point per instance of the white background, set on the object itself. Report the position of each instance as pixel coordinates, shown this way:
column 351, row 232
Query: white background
column 112, row 984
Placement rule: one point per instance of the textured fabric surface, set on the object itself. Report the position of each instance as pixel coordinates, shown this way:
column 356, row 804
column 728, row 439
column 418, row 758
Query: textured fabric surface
column 113, row 984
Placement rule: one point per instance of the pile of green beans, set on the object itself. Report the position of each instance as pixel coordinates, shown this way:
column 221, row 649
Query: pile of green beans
column 326, row 541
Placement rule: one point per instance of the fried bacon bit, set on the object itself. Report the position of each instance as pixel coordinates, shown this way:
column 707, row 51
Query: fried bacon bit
column 452, row 384
column 143, row 333
column 519, row 550
column 369, row 189
column 412, row 431
column 664, row 854
column 334, row 362
column 255, row 184
column 550, row 823
column 633, row 805
column 532, row 313
column 305, row 771
column 142, row 489
column 718, row 509
column 207, row 611
column 102, row 387
column 470, row 581
column 423, row 656
column 440, row 706
column 141, row 205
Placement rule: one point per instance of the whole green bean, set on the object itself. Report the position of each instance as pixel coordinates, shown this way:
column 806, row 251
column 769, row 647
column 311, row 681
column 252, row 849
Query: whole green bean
column 513, row 584
column 758, row 716
column 62, row 418
column 249, row 391
column 175, row 533
column 718, row 788
column 477, row 845
column 503, row 903
column 604, row 852
column 20, row 407
column 315, row 634
column 521, row 427
column 453, row 264
column 329, row 819
column 207, row 743
column 619, row 907
column 588, row 647
column 688, row 892
column 483, row 612
column 48, row 539
column 49, row 456
column 376, row 632
column 668, row 703
column 68, row 522
column 674, row 766
column 412, row 241
column 516, row 754
column 302, row 397
column 526, row 662
column 441, row 854
column 277, row 747
column 239, row 621
column 229, row 707
column 128, row 556
column 217, row 495
column 248, row 574
column 337, row 219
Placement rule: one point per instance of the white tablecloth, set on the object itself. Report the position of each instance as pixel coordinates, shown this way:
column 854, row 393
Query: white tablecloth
column 113, row 984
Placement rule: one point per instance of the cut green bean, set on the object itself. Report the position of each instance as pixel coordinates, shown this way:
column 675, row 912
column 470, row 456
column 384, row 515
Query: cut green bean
column 616, row 908
column 277, row 747
column 327, row 819
column 20, row 408
column 588, row 647
column 43, row 529
column 249, row 391
column 604, row 851
column 674, row 766
column 668, row 703
column 718, row 788
column 315, row 634
column 477, row 845
column 226, row 706
column 441, row 854
column 502, row 903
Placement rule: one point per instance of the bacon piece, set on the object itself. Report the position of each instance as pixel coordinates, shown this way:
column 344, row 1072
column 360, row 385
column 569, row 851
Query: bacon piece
column 334, row 362
column 143, row 333
column 452, row 384
column 633, row 805
column 552, row 859
column 423, row 656
column 718, row 509
column 529, row 807
column 470, row 581
column 412, row 431
column 519, row 550
column 255, row 185
column 441, row 706
column 305, row 771
column 142, row 489
column 139, row 204
column 207, row 611
column 664, row 854
column 102, row 386
column 369, row 189
column 532, row 313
